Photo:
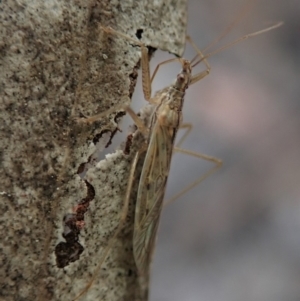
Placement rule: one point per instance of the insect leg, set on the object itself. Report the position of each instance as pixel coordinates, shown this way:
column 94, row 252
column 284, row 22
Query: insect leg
column 120, row 225
column 139, row 123
column 163, row 63
column 218, row 164
column 144, row 60
column 188, row 127
column 146, row 79
column 195, row 78
column 96, row 117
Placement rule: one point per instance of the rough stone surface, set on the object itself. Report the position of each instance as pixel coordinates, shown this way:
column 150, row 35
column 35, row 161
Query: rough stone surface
column 56, row 65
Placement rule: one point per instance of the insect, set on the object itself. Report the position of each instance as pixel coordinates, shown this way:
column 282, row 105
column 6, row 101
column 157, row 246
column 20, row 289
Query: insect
column 159, row 143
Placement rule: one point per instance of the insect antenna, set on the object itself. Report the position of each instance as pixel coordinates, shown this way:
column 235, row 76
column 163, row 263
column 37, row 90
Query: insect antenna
column 199, row 57
column 243, row 38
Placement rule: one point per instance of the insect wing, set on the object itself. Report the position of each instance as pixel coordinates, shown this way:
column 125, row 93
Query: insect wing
column 151, row 191
column 145, row 235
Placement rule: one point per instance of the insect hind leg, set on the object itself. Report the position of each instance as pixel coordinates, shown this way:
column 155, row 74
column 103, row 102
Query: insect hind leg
column 122, row 219
column 217, row 162
column 187, row 127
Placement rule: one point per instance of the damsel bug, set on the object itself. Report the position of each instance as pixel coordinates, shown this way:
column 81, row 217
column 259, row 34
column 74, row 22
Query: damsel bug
column 159, row 142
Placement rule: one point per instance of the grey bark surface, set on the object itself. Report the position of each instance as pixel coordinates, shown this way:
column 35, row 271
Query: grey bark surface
column 57, row 64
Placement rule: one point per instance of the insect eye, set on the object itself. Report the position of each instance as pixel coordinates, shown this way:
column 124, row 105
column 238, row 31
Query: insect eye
column 180, row 77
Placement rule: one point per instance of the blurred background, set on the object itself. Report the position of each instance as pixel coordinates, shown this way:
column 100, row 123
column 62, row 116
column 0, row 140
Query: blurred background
column 236, row 236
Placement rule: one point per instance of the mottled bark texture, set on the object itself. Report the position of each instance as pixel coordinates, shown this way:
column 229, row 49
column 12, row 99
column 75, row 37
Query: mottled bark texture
column 56, row 65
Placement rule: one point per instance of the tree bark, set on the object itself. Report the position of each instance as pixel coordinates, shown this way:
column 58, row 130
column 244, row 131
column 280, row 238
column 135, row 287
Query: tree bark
column 57, row 64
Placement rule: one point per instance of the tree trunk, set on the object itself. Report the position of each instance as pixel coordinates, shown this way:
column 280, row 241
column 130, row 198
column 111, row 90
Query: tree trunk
column 57, row 64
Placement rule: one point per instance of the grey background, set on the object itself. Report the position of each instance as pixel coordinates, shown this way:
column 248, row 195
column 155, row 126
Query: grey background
column 237, row 235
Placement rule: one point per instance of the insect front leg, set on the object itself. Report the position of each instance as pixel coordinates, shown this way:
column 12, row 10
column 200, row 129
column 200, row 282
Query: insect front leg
column 195, row 78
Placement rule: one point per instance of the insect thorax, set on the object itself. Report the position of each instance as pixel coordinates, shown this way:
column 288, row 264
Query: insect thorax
column 169, row 112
